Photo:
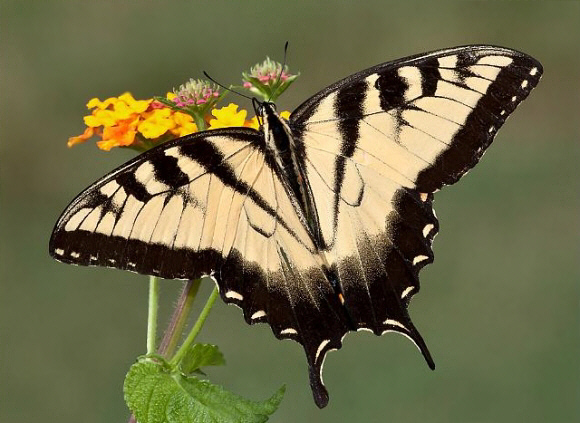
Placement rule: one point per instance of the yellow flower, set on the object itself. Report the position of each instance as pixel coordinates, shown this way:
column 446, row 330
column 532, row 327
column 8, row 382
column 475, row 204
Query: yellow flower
column 96, row 103
column 181, row 118
column 227, row 116
column 184, row 124
column 285, row 114
column 138, row 106
column 157, row 123
column 122, row 110
column 100, row 117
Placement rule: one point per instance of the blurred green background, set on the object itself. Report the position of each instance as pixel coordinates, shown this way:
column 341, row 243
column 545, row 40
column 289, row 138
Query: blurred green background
column 499, row 307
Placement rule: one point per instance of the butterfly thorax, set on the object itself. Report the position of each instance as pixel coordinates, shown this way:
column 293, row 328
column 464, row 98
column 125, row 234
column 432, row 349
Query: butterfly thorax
column 288, row 157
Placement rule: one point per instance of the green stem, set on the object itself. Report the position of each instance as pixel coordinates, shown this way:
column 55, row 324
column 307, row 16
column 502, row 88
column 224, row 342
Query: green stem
column 179, row 318
column 196, row 328
column 152, row 315
column 199, row 121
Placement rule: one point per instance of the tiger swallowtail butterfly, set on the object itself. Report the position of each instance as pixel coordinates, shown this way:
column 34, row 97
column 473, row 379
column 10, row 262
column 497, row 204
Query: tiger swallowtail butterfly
column 317, row 225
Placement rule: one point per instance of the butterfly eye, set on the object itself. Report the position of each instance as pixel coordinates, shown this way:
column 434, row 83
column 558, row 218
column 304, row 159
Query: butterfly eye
column 258, row 106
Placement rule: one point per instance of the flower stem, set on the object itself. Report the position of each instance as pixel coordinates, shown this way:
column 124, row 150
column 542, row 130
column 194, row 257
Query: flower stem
column 179, row 318
column 152, row 315
column 196, row 328
column 199, row 120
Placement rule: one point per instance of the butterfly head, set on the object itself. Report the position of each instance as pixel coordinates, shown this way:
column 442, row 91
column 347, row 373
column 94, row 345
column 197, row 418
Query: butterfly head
column 269, row 118
column 263, row 109
column 276, row 130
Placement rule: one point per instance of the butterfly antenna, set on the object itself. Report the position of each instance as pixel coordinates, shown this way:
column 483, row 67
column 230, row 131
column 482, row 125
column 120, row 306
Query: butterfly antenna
column 281, row 69
column 224, row 87
column 284, row 62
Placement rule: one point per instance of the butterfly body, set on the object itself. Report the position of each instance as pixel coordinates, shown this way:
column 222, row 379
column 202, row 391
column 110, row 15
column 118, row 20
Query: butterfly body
column 286, row 155
column 317, row 225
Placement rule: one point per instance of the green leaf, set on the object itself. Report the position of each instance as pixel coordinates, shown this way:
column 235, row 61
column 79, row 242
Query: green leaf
column 157, row 394
column 200, row 355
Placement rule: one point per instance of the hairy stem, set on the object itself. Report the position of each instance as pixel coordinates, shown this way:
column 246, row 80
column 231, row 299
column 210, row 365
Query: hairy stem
column 179, row 319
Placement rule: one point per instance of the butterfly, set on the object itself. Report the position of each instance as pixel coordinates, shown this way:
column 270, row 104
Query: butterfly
column 317, row 225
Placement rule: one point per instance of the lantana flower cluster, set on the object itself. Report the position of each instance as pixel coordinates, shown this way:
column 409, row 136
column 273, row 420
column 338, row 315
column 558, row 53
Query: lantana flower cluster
column 268, row 79
column 124, row 121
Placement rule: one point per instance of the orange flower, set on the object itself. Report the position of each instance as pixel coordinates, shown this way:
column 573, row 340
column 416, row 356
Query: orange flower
column 120, row 135
column 252, row 123
column 89, row 131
